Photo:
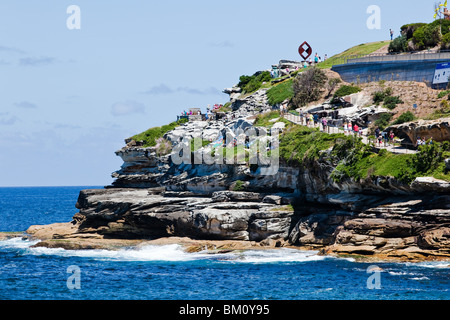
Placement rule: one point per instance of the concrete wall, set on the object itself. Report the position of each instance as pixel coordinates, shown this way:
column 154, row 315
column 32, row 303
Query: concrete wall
column 398, row 70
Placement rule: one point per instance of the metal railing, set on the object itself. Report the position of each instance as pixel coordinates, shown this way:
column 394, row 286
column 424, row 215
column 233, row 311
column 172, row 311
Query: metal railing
column 396, row 56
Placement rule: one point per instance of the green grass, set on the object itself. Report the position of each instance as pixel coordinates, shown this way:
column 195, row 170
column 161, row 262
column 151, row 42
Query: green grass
column 263, row 120
column 150, row 136
column 388, row 164
column 362, row 49
column 280, row 92
column 299, row 144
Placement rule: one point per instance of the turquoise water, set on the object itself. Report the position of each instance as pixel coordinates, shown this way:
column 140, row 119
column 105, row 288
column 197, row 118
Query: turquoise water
column 166, row 272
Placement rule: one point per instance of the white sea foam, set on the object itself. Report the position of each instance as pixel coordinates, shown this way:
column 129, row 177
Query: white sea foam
column 431, row 264
column 420, row 278
column 18, row 243
column 278, row 255
column 176, row 253
column 147, row 253
column 171, row 252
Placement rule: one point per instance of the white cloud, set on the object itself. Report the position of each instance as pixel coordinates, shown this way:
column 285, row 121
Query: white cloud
column 161, row 89
column 26, row 105
column 8, row 121
column 126, row 108
column 164, row 89
column 35, row 62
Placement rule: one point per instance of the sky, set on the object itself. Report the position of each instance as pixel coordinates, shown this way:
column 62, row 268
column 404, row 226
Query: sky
column 70, row 96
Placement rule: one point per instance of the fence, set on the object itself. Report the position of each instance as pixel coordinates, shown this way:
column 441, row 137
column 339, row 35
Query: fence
column 408, row 56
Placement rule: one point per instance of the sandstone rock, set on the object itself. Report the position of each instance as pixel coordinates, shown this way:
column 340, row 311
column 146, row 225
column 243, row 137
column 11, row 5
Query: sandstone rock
column 272, row 199
column 222, row 196
column 438, row 130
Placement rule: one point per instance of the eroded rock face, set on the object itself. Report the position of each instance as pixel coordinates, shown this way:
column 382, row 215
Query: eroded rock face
column 438, row 130
column 397, row 227
column 143, row 213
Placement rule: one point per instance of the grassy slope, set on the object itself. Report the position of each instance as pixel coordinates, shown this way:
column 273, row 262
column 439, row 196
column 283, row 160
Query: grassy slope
column 150, row 136
column 362, row 49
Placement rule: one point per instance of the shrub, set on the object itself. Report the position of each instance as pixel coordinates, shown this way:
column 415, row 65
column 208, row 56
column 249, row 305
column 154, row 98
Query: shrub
column 391, row 102
column 238, row 186
column 400, row 44
column 426, row 160
column 445, row 44
column 345, row 91
column 427, row 36
column 379, row 96
column 151, row 136
column 254, row 82
column 308, row 86
column 383, row 121
column 443, row 23
column 443, row 93
column 408, row 29
column 405, row 117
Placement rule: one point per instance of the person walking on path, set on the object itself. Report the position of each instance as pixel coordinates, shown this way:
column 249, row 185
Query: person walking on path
column 324, row 124
column 392, row 34
column 391, row 137
column 349, row 126
column 356, row 129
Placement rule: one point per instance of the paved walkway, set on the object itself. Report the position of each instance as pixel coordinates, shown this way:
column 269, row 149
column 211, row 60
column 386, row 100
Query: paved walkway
column 335, row 130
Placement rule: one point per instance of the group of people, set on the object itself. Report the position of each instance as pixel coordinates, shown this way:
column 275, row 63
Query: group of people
column 190, row 113
column 422, row 141
column 380, row 136
column 349, row 128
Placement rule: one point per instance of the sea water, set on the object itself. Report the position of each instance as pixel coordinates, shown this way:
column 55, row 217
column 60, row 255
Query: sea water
column 167, row 272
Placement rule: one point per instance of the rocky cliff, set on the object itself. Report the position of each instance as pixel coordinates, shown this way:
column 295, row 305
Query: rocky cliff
column 152, row 197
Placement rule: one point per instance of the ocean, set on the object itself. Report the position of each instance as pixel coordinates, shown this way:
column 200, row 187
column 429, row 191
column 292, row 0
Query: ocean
column 169, row 273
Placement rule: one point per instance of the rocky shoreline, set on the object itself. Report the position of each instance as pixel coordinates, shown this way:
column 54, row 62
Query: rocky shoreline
column 416, row 229
column 154, row 201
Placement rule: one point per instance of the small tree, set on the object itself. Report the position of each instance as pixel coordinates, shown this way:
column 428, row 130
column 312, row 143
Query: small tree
column 308, row 86
column 331, row 85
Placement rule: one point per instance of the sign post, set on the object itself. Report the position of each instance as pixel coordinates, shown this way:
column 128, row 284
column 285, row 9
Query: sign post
column 305, row 50
column 442, row 73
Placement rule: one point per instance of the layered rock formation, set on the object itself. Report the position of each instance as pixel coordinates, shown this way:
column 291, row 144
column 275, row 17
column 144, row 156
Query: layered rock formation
column 152, row 197
column 437, row 130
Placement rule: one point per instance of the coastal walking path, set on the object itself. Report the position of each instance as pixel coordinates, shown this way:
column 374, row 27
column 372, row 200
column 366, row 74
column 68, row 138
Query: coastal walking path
column 335, row 130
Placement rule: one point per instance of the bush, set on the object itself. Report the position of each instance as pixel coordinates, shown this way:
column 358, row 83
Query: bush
column 391, row 102
column 238, row 186
column 383, row 121
column 443, row 94
column 444, row 23
column 427, row 36
column 308, row 86
column 345, row 91
column 408, row 29
column 379, row 96
column 151, row 136
column 426, row 160
column 253, row 83
column 405, row 117
column 445, row 44
column 386, row 97
column 400, row 44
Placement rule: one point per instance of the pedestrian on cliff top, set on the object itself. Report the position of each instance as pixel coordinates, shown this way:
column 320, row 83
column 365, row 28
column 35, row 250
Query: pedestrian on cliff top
column 391, row 33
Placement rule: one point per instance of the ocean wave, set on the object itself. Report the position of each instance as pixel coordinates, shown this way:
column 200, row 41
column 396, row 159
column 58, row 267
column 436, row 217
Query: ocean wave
column 431, row 264
column 16, row 243
column 172, row 252
column 278, row 255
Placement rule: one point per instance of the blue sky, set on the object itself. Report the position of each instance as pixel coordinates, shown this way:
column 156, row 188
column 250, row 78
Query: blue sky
column 68, row 98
